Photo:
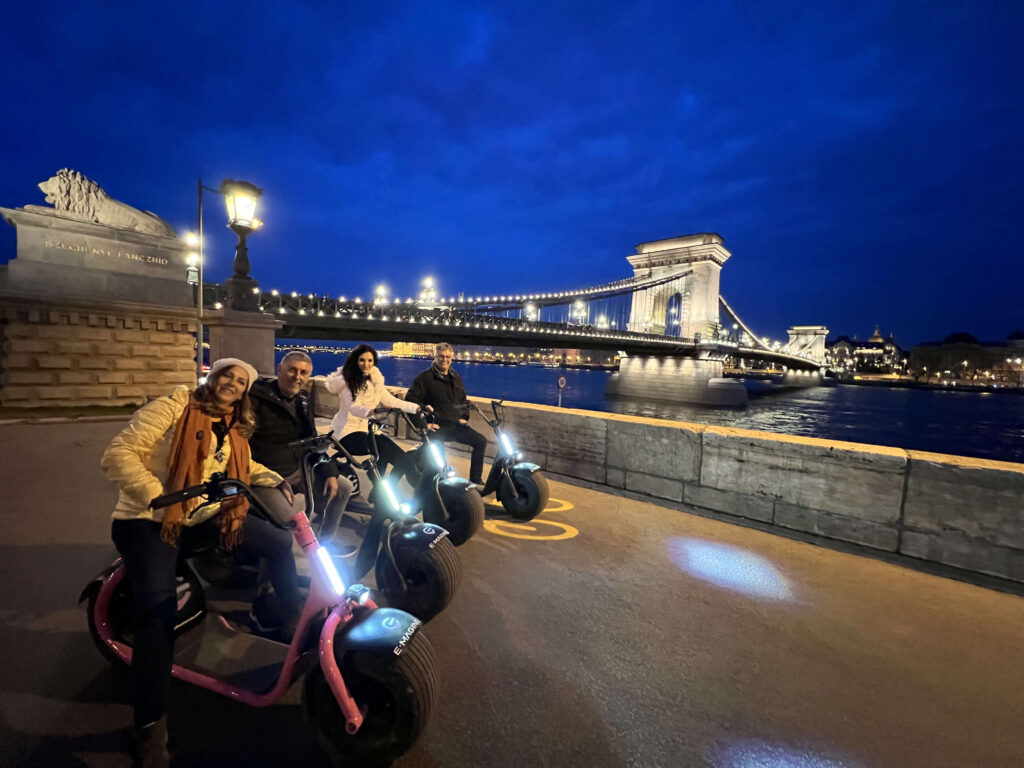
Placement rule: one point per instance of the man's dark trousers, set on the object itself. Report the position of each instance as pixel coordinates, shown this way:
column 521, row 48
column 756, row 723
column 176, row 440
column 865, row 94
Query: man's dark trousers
column 466, row 435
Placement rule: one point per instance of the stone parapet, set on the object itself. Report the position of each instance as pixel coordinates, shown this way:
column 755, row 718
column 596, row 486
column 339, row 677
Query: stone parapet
column 75, row 354
column 957, row 511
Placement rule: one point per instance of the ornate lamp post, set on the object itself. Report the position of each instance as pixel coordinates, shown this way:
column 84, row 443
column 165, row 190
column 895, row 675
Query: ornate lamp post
column 242, row 198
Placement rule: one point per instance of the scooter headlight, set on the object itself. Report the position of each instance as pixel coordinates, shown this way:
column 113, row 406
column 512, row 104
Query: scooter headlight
column 507, row 445
column 405, row 508
column 358, row 593
column 435, row 452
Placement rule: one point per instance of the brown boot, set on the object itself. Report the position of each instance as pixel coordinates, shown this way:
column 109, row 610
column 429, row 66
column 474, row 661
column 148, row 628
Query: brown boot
column 151, row 746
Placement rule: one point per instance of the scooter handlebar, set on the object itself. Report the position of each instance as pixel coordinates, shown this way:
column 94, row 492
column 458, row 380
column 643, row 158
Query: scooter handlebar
column 217, row 489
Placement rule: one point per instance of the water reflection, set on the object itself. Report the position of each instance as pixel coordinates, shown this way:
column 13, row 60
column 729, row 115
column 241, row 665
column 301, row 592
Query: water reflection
column 730, row 567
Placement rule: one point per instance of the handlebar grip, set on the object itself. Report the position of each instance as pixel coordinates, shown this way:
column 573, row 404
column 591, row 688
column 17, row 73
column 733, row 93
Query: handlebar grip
column 176, row 497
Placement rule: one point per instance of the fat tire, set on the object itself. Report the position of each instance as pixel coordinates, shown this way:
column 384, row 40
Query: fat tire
column 432, row 575
column 462, row 515
column 533, row 495
column 395, row 693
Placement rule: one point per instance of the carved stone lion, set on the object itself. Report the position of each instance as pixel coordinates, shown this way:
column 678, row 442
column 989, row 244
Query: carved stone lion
column 78, row 197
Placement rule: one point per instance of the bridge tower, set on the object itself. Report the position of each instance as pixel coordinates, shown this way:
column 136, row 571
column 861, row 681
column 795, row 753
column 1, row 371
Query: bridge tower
column 808, row 339
column 686, row 306
column 691, row 301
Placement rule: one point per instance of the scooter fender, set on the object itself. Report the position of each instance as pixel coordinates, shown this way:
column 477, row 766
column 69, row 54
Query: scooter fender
column 97, row 581
column 383, row 631
column 524, row 468
column 419, row 536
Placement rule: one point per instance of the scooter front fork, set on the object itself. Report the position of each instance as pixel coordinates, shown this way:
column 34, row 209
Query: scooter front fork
column 329, row 665
column 499, row 470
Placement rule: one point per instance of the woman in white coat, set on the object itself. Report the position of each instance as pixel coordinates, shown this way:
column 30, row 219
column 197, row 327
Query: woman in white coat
column 360, row 389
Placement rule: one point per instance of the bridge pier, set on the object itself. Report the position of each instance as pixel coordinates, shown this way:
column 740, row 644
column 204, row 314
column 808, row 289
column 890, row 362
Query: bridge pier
column 678, row 379
column 802, row 378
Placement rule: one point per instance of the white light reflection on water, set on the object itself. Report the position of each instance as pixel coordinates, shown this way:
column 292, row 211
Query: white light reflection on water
column 730, row 567
column 760, row 754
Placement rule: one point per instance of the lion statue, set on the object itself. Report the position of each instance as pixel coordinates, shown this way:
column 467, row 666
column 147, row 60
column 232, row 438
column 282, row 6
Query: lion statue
column 78, row 197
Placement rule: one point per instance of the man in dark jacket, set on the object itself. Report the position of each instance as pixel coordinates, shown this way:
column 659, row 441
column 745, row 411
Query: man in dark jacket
column 285, row 412
column 440, row 387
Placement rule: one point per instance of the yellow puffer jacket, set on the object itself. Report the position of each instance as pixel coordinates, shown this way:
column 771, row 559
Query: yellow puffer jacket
column 136, row 460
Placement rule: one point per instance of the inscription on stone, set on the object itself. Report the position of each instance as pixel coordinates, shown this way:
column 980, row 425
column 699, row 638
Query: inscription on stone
column 60, row 245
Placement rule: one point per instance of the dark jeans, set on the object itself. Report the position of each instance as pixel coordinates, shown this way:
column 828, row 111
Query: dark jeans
column 150, row 566
column 358, row 444
column 465, row 434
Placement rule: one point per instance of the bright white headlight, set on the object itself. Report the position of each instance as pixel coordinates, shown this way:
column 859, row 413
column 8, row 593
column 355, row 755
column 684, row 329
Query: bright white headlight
column 507, row 445
column 333, row 578
column 390, row 492
column 436, row 453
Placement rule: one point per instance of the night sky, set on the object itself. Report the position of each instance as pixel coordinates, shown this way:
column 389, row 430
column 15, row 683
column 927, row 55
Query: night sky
column 862, row 161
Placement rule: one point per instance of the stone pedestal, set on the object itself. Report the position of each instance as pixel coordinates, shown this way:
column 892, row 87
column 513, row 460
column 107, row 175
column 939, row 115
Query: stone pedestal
column 679, row 380
column 248, row 336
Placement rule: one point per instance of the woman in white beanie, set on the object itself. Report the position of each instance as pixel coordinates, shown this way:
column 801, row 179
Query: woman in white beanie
column 170, row 444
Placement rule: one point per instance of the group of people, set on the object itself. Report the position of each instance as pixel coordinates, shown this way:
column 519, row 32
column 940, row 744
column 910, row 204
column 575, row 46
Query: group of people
column 242, row 425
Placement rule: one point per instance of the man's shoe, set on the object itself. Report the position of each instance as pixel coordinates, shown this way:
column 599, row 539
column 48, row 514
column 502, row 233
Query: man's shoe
column 266, row 613
column 150, row 747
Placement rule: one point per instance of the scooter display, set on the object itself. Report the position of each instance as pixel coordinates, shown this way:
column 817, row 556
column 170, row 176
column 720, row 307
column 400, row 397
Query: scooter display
column 370, row 677
column 518, row 485
column 445, row 498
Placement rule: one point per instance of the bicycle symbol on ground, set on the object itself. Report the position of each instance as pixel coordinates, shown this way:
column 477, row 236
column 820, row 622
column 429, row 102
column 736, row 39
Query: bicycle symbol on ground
column 537, row 529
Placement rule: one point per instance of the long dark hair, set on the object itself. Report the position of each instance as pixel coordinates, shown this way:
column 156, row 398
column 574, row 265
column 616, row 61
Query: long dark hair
column 243, row 417
column 354, row 378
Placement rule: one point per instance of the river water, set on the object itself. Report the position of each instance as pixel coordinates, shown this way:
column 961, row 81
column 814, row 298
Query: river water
column 983, row 425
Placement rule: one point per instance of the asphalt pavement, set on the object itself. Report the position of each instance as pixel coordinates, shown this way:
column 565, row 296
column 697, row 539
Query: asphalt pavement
column 610, row 632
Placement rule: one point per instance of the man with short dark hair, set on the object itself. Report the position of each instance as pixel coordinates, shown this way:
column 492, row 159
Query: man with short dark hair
column 441, row 388
column 285, row 412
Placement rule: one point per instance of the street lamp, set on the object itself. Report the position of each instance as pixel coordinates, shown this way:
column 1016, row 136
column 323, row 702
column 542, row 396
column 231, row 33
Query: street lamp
column 241, row 198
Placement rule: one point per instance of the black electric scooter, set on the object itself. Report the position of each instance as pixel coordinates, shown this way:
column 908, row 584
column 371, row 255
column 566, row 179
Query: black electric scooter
column 519, row 485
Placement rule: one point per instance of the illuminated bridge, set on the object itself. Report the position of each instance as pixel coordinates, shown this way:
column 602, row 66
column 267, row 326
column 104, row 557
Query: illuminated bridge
column 668, row 321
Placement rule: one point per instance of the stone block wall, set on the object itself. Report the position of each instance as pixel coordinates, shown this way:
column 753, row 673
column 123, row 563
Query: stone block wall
column 83, row 355
column 957, row 511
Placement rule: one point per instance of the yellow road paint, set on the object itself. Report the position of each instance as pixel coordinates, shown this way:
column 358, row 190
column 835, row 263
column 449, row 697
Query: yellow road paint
column 523, row 531
column 560, row 505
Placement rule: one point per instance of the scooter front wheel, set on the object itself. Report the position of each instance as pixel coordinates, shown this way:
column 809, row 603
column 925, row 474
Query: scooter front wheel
column 432, row 577
column 395, row 694
column 462, row 513
column 531, row 495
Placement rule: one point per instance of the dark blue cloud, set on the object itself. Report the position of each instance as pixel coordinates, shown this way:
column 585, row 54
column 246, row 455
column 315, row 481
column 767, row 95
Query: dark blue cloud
column 861, row 161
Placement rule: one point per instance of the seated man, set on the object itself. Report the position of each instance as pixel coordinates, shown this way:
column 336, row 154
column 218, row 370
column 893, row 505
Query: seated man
column 440, row 388
column 285, row 413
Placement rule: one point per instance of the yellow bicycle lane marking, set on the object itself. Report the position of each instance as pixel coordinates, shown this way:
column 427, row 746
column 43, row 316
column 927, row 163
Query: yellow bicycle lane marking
column 530, row 530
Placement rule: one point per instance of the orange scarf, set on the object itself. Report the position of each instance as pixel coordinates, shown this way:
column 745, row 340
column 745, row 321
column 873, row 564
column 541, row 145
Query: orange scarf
column 189, row 450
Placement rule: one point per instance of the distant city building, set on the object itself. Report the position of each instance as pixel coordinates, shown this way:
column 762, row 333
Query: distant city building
column 512, row 355
column 876, row 355
column 962, row 356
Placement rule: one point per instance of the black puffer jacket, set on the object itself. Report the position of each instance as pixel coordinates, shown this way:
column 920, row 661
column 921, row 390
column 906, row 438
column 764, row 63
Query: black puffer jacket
column 277, row 424
column 446, row 394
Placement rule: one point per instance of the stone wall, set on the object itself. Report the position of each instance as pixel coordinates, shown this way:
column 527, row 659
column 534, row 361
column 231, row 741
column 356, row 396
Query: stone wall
column 967, row 513
column 77, row 354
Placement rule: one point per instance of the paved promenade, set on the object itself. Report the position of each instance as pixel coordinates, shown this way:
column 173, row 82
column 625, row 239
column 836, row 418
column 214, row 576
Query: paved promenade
column 614, row 633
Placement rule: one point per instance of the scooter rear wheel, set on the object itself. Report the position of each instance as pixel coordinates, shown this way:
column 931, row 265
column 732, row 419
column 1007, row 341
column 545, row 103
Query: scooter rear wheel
column 395, row 694
column 432, row 577
column 462, row 515
column 533, row 494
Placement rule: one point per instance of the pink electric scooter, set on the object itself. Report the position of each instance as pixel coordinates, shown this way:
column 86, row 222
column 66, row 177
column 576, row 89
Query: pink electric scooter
column 370, row 674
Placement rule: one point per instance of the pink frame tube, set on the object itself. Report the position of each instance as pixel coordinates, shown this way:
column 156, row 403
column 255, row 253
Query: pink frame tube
column 318, row 601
